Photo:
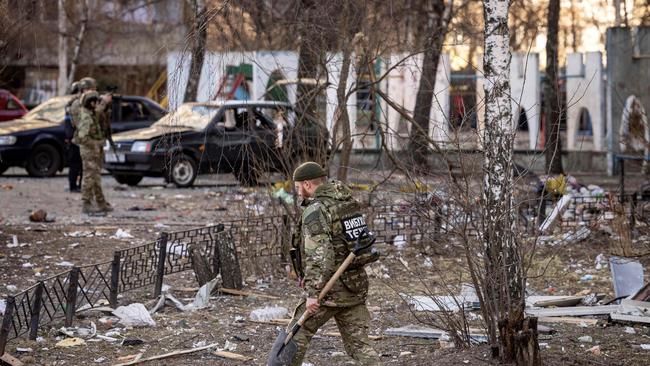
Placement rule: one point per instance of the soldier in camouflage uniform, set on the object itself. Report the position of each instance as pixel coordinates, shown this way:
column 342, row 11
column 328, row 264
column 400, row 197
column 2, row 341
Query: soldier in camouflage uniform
column 90, row 137
column 331, row 223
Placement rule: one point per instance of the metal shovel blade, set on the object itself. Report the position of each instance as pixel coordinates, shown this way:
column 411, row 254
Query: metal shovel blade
column 280, row 354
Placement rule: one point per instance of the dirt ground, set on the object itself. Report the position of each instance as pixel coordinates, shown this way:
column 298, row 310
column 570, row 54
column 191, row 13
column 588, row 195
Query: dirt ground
column 142, row 211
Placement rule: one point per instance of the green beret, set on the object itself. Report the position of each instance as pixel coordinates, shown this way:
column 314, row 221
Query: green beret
column 308, row 171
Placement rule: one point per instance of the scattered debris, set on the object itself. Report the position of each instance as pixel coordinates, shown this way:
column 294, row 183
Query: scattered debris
column 65, row 264
column 3, row 307
column 11, row 288
column 630, row 330
column 268, row 313
column 585, row 339
column 122, row 234
column 24, row 350
column 399, row 241
column 627, row 275
column 562, row 301
column 247, row 293
column 10, row 360
column 70, row 342
column 442, row 303
column 595, row 350
column 417, row 331
column 232, row 356
column 559, row 208
column 573, row 311
column 586, row 278
column 7, row 187
column 39, row 216
column 15, row 243
column 131, row 342
column 100, row 359
column 167, row 355
column 134, row 315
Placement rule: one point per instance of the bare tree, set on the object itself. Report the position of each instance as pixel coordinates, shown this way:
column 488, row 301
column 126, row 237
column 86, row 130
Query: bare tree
column 504, row 289
column 83, row 24
column 63, row 49
column 350, row 24
column 198, row 37
column 552, row 100
column 438, row 17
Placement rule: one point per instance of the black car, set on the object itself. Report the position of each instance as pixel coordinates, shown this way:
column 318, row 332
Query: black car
column 36, row 141
column 245, row 138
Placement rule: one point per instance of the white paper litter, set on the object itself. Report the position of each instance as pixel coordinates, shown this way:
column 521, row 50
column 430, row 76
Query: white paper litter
column 134, row 315
column 122, row 234
column 269, row 313
column 65, row 264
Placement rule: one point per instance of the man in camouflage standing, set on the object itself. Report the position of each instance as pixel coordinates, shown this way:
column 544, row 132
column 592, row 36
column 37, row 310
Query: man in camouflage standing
column 90, row 137
column 331, row 224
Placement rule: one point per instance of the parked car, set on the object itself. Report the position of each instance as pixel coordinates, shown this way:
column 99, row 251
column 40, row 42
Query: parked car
column 10, row 106
column 36, row 140
column 239, row 137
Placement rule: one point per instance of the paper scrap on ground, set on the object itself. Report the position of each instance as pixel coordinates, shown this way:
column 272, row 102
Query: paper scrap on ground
column 134, row 315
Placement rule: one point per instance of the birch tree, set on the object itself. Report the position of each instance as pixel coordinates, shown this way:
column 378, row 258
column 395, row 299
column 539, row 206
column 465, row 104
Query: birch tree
column 504, row 287
column 62, row 84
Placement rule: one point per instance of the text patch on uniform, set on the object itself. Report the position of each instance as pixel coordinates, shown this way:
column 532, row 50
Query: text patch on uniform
column 353, row 226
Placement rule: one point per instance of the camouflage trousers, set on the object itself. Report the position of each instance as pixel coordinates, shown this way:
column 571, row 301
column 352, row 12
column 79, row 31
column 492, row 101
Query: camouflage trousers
column 353, row 324
column 92, row 158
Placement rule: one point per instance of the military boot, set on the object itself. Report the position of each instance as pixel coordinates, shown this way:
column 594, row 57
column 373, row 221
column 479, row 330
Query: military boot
column 89, row 209
column 105, row 206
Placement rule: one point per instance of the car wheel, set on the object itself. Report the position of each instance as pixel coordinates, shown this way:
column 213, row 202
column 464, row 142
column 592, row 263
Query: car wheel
column 44, row 161
column 182, row 171
column 128, row 179
column 246, row 173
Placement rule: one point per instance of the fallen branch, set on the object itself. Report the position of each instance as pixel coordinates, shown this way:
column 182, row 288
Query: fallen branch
column 167, row 355
column 232, row 356
column 246, row 293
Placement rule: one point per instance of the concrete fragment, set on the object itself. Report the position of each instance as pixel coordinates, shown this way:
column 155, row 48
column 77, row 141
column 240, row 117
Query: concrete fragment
column 585, row 339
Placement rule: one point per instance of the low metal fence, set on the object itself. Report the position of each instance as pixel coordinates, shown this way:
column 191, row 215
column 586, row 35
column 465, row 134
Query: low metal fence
column 261, row 245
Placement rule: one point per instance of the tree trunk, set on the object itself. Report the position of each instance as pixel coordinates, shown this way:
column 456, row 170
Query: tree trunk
column 311, row 56
column 200, row 266
column 344, row 117
column 438, row 20
column 504, row 290
column 62, row 84
column 350, row 24
column 552, row 103
column 199, row 38
column 78, row 42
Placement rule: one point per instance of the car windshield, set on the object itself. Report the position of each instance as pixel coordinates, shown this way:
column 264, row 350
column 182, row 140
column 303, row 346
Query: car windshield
column 194, row 116
column 52, row 110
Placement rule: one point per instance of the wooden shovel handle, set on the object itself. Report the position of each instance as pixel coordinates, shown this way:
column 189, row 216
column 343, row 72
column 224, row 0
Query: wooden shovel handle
column 335, row 277
column 323, row 293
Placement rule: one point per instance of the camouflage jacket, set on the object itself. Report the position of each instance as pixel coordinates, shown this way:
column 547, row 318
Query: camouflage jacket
column 329, row 225
column 102, row 110
column 89, row 130
column 74, row 108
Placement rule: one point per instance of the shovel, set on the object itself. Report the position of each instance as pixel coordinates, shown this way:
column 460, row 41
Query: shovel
column 284, row 349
